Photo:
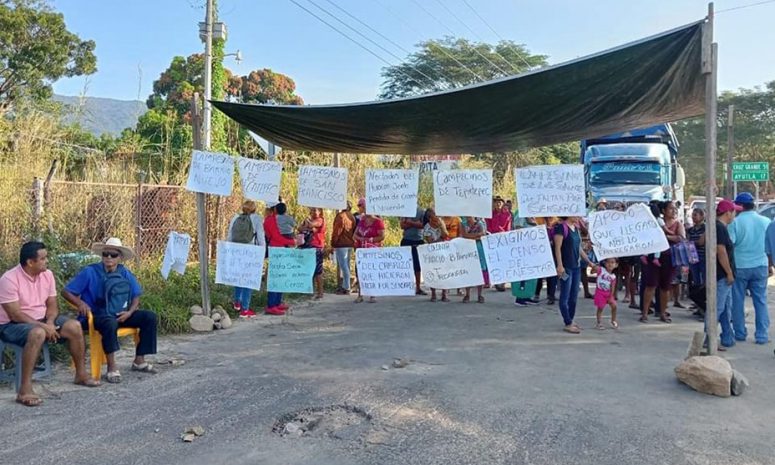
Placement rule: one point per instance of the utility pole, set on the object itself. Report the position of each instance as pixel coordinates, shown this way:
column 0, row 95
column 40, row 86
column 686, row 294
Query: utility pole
column 709, row 70
column 208, row 75
column 731, row 191
column 201, row 213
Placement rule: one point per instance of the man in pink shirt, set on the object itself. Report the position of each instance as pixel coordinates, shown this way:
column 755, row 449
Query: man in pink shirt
column 29, row 316
column 500, row 222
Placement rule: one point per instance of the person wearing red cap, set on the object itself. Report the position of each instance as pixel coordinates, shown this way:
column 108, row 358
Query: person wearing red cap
column 725, row 270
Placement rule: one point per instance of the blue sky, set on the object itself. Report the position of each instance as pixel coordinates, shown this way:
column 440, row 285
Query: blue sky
column 136, row 39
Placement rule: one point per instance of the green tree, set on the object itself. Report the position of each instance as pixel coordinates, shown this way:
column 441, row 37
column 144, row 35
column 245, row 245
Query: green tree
column 754, row 126
column 454, row 62
column 36, row 49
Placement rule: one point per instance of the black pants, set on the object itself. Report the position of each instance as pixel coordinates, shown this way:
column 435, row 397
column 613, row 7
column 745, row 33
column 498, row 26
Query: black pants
column 144, row 320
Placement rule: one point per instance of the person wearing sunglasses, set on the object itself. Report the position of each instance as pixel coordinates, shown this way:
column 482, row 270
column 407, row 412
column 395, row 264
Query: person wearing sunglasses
column 111, row 293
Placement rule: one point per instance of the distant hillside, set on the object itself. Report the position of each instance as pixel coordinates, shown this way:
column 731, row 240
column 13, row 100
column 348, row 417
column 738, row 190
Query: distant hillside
column 102, row 115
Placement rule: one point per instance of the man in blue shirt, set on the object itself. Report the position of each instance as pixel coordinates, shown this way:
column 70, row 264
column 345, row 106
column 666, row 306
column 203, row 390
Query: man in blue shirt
column 86, row 291
column 748, row 233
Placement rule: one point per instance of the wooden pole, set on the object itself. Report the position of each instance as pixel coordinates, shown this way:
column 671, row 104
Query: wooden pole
column 709, row 69
column 201, row 212
column 730, row 149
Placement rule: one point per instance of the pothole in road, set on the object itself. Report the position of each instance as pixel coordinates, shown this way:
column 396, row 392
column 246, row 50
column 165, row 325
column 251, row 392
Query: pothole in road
column 343, row 422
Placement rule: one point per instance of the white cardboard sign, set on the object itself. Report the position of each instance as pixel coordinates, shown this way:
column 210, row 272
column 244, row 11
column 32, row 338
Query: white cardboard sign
column 176, row 254
column 210, row 173
column 323, row 187
column 626, row 234
column 239, row 265
column 385, row 271
column 518, row 255
column 450, row 264
column 260, row 179
column 392, row 192
column 551, row 190
column 463, row 193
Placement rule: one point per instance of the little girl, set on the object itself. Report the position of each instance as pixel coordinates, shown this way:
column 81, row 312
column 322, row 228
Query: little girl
column 606, row 283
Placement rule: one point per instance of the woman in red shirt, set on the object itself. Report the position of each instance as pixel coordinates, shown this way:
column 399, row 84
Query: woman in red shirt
column 315, row 227
column 274, row 300
column 369, row 233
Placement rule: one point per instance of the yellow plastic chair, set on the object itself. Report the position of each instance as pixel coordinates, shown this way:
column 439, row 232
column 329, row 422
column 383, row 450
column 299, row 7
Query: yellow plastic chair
column 98, row 357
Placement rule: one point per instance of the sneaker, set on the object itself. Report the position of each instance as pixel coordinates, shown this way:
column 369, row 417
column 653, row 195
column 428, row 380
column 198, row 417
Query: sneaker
column 247, row 313
column 275, row 311
column 237, row 306
column 283, row 307
column 550, row 300
column 532, row 301
column 520, row 303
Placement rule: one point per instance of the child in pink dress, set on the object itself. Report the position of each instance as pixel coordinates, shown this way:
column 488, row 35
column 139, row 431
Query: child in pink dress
column 604, row 292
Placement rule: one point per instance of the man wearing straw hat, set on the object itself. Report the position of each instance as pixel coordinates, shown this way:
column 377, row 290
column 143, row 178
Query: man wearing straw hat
column 112, row 294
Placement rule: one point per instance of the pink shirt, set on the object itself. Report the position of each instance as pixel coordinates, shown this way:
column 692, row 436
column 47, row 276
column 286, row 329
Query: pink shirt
column 31, row 293
column 500, row 221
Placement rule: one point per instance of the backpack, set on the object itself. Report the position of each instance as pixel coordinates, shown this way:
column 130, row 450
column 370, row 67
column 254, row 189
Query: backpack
column 243, row 231
column 118, row 291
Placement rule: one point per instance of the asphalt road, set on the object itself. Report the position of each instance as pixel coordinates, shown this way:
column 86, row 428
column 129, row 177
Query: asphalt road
column 486, row 383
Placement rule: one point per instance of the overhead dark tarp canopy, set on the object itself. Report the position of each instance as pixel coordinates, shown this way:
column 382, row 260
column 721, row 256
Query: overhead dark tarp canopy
column 647, row 82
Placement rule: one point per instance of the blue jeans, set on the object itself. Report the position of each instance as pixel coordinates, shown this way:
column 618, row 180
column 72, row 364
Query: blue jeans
column 569, row 293
column 724, row 310
column 343, row 260
column 754, row 279
column 243, row 295
column 273, row 299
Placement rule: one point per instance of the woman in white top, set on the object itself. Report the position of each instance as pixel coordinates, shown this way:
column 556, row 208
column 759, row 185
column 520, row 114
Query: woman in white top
column 246, row 227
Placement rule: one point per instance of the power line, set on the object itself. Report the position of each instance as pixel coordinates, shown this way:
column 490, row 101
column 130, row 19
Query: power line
column 453, row 33
column 745, row 6
column 441, row 49
column 388, row 39
column 519, row 55
column 476, row 35
column 348, row 37
column 430, row 80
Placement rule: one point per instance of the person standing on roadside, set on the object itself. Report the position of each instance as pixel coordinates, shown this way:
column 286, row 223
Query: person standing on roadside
column 748, row 233
column 412, row 237
column 568, row 254
column 725, row 271
column 342, row 241
column 369, row 233
column 499, row 222
column 274, row 238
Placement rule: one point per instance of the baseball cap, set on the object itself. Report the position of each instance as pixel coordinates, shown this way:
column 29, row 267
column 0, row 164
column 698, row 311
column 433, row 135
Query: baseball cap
column 727, row 206
column 744, row 197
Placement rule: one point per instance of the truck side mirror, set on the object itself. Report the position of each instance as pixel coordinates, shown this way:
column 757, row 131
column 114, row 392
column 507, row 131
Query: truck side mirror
column 680, row 177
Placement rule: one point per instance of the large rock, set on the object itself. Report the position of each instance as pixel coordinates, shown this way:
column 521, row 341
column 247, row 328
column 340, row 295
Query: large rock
column 196, row 310
column 739, row 383
column 226, row 322
column 201, row 323
column 216, row 316
column 709, row 375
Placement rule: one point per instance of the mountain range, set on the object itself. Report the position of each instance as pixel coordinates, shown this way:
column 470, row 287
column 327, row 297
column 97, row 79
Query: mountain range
column 99, row 115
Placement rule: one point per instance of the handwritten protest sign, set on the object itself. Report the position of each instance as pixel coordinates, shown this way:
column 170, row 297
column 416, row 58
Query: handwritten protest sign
column 451, row 264
column 239, row 265
column 210, row 173
column 463, row 193
column 518, row 255
column 290, row 270
column 323, row 187
column 625, row 234
column 551, row 190
column 176, row 254
column 385, row 271
column 260, row 179
column 392, row 192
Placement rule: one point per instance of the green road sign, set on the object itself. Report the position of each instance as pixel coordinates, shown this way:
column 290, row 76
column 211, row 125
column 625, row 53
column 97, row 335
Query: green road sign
column 751, row 171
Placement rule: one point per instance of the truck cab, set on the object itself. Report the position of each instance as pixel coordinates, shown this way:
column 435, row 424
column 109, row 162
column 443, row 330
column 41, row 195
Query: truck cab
column 635, row 166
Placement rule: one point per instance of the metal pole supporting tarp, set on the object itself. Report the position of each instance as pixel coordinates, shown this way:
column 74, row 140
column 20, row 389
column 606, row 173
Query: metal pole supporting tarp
column 709, row 70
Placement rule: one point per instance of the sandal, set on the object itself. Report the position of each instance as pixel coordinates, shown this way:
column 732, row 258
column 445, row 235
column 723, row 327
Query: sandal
column 144, row 367
column 466, row 299
column 433, row 298
column 359, row 300
column 615, row 325
column 113, row 377
column 571, row 329
column 29, row 400
column 88, row 382
column 600, row 326
column 643, row 319
column 444, row 299
column 480, row 299
column 665, row 319
column 420, row 292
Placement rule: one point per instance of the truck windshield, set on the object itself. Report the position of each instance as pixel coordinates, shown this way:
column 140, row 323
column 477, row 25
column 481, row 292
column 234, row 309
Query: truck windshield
column 624, row 172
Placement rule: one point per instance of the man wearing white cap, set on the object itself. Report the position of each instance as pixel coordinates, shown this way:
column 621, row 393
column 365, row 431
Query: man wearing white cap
column 112, row 294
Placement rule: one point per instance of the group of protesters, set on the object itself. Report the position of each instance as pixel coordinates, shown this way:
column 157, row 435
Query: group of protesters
column 108, row 294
